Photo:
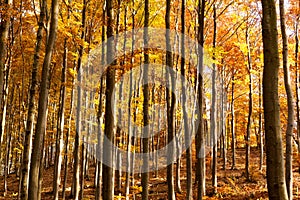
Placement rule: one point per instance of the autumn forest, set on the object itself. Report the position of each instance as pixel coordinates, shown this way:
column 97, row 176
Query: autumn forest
column 149, row 99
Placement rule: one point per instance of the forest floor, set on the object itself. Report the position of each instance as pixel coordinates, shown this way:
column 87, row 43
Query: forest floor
column 232, row 184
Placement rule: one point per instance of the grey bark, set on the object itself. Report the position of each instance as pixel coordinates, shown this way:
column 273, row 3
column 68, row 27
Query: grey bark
column 290, row 104
column 170, row 98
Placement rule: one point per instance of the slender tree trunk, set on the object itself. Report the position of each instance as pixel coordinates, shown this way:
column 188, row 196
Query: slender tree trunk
column 77, row 146
column 99, row 138
column 232, row 121
column 31, row 108
column 60, row 127
column 42, row 161
column 289, row 93
column 4, row 31
column 8, row 138
column 224, row 118
column 260, row 130
column 66, row 150
column 129, row 139
column 43, row 101
column 200, row 132
column 170, row 98
column 213, row 114
column 275, row 164
column 189, row 193
column 297, row 79
column 145, row 174
column 249, row 121
column 108, row 186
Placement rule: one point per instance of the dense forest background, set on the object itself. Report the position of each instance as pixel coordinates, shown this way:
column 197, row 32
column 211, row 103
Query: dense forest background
column 132, row 99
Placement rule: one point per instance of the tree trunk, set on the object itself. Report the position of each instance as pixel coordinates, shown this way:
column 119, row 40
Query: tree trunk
column 275, row 164
column 249, row 121
column 290, row 104
column 297, row 83
column 99, row 137
column 145, row 174
column 60, row 126
column 43, row 101
column 213, row 114
column 31, row 108
column 200, row 132
column 223, row 118
column 128, row 164
column 107, row 173
column 66, row 150
column 260, row 130
column 189, row 193
column 4, row 31
column 232, row 122
column 77, row 146
column 170, row 98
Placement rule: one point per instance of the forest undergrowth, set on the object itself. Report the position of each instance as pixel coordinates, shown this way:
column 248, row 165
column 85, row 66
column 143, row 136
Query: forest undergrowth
column 232, row 184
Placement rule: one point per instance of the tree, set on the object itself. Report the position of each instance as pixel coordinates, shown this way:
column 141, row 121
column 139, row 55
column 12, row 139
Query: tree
column 42, row 109
column 289, row 94
column 275, row 168
column 145, row 174
column 107, row 173
column 187, row 138
column 4, row 29
column 170, row 98
column 200, row 137
column 60, row 125
column 31, row 108
column 77, row 146
column 98, row 174
column 213, row 114
column 249, row 121
column 297, row 81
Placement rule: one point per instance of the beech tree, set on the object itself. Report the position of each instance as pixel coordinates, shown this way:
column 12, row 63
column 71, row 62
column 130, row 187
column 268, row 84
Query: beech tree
column 145, row 140
column 31, row 109
column 4, row 31
column 289, row 93
column 170, row 98
column 68, row 145
column 275, row 167
column 36, row 156
column 200, row 135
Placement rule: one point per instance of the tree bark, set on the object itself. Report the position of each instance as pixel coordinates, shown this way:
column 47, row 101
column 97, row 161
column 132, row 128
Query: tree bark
column 189, row 193
column 290, row 104
column 297, row 83
column 213, row 113
column 43, row 101
column 145, row 174
column 4, row 31
column 170, row 98
column 60, row 125
column 249, row 121
column 233, row 144
column 107, row 173
column 275, row 165
column 260, row 130
column 200, row 132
